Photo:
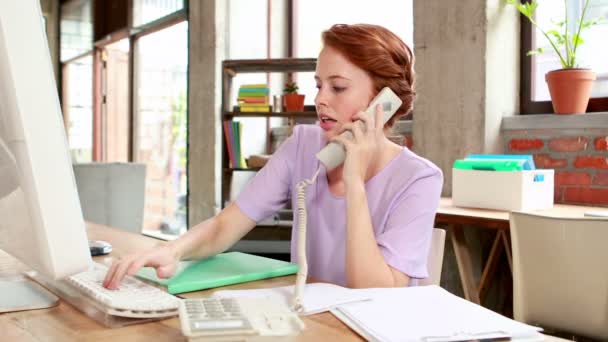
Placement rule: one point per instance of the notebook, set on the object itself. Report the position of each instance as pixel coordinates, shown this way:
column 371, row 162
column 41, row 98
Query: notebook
column 220, row 270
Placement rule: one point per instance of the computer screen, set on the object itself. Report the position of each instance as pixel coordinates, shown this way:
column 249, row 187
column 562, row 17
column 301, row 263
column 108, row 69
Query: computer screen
column 41, row 222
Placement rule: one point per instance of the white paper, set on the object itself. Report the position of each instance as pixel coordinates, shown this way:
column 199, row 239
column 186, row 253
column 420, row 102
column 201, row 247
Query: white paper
column 427, row 313
column 317, row 297
column 596, row 213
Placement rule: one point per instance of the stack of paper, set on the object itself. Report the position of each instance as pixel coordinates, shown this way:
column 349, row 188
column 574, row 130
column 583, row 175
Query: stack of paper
column 427, row 313
column 317, row 297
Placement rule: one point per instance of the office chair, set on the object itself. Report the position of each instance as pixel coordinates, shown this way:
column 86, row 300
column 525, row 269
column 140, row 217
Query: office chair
column 435, row 259
column 560, row 276
column 112, row 193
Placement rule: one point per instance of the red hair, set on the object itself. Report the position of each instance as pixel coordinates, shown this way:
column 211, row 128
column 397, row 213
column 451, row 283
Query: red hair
column 383, row 55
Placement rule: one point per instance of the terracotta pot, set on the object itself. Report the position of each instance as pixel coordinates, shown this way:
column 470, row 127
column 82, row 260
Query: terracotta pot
column 293, row 102
column 570, row 89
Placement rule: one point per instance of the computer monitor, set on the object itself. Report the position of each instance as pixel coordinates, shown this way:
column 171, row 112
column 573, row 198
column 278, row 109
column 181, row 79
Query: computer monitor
column 41, row 222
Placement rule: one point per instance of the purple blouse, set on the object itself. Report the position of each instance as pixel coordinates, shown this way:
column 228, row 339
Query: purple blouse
column 403, row 198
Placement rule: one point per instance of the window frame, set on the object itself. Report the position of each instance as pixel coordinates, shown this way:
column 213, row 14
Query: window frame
column 527, row 105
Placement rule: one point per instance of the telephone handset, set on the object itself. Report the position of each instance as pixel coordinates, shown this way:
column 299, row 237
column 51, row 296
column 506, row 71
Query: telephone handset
column 333, row 154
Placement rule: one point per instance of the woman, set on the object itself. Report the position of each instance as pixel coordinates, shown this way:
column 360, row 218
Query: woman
column 370, row 220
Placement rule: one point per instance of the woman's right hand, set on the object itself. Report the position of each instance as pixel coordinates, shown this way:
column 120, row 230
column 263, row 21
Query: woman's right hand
column 163, row 258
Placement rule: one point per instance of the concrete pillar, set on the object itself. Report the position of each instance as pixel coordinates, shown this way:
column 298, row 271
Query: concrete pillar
column 467, row 62
column 207, row 50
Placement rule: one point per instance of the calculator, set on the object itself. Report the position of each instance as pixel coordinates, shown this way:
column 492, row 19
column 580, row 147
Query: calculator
column 218, row 318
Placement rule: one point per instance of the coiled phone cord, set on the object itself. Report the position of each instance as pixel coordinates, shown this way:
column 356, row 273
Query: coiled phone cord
column 303, row 264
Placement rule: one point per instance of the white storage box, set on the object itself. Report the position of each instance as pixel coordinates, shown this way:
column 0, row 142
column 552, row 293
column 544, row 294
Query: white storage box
column 503, row 190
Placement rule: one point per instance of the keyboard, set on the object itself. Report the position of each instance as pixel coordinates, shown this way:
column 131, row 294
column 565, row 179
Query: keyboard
column 134, row 298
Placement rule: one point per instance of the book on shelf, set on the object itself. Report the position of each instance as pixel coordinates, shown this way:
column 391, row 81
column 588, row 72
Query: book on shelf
column 252, row 105
column 253, row 100
column 238, row 126
column 229, row 136
column 254, row 85
column 252, row 94
column 233, row 135
column 247, row 91
column 254, row 109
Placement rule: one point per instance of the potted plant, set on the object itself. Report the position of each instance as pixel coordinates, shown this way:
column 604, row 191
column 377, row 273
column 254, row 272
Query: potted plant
column 292, row 101
column 570, row 86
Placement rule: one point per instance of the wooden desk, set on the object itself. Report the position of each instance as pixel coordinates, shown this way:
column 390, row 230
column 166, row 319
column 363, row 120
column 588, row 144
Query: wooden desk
column 456, row 218
column 66, row 323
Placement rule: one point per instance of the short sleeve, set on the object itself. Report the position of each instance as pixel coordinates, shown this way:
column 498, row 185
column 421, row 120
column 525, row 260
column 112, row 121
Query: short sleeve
column 268, row 191
column 406, row 238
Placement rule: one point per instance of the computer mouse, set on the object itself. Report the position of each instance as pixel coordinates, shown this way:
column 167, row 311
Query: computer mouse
column 98, row 247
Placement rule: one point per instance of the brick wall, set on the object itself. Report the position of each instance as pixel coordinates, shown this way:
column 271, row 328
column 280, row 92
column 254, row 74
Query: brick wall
column 578, row 156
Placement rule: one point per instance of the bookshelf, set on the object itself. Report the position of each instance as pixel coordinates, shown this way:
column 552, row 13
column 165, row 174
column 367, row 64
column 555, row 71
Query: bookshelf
column 230, row 69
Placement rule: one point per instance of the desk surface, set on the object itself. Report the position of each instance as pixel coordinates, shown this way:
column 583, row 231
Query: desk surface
column 448, row 213
column 457, row 218
column 65, row 323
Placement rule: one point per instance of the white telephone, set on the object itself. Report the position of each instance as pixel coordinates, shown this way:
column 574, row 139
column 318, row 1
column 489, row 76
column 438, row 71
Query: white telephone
column 236, row 319
column 333, row 154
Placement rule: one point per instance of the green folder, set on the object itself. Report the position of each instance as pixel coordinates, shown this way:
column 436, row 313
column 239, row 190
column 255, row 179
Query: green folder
column 220, row 270
column 489, row 165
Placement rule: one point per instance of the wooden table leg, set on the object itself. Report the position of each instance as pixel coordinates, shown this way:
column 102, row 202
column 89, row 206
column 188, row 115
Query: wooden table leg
column 490, row 267
column 465, row 266
column 506, row 241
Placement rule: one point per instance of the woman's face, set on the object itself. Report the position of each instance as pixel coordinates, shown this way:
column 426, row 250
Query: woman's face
column 344, row 90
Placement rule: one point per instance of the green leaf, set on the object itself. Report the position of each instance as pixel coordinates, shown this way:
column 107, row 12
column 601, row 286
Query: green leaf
column 534, row 52
column 577, row 40
column 527, row 8
column 590, row 23
column 559, row 38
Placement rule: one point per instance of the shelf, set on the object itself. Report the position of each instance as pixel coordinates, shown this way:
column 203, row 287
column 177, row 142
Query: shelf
column 269, row 65
column 306, row 114
column 231, row 69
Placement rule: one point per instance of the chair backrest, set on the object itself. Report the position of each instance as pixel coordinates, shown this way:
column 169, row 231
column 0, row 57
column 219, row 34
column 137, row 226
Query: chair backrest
column 560, row 276
column 435, row 259
column 112, row 193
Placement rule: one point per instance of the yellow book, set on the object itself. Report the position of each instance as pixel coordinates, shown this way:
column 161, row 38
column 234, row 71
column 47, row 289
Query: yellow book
column 242, row 163
column 258, row 85
column 252, row 105
column 255, row 109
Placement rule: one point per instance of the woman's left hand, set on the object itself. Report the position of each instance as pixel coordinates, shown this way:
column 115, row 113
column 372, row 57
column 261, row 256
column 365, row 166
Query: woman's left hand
column 363, row 147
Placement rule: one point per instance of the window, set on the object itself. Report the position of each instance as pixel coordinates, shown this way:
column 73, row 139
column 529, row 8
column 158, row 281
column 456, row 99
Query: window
column 592, row 53
column 125, row 97
column 248, row 38
column 115, row 119
column 78, row 107
column 147, row 11
column 315, row 16
column 76, row 46
column 76, row 29
column 160, row 95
